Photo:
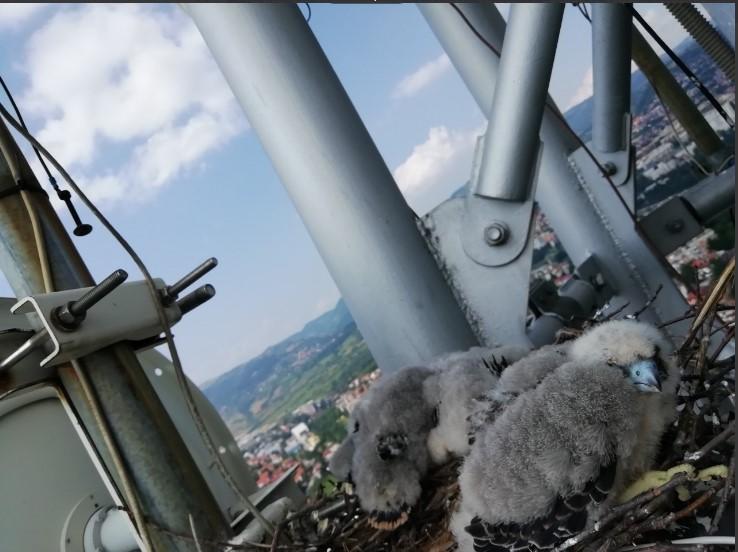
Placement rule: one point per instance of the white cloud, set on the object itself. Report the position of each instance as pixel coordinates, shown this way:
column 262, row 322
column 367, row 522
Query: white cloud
column 130, row 79
column 583, row 91
column 436, row 167
column 427, row 73
column 13, row 14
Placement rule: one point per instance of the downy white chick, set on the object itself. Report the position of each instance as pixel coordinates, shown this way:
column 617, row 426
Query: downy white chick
column 561, row 452
column 459, row 379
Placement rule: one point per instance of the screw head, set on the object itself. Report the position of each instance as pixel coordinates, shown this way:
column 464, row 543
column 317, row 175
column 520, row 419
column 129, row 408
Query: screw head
column 496, row 233
column 610, row 168
column 675, row 226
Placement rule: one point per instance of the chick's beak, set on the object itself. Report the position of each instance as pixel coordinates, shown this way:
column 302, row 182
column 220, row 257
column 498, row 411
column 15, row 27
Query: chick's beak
column 645, row 376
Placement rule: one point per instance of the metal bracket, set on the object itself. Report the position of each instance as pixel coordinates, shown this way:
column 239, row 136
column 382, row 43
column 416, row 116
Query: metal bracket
column 495, row 232
column 126, row 314
column 638, row 273
column 594, row 273
column 619, row 162
column 670, row 225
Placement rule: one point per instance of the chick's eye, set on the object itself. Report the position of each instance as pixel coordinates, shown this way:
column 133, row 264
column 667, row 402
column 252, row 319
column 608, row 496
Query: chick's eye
column 356, row 427
column 435, row 417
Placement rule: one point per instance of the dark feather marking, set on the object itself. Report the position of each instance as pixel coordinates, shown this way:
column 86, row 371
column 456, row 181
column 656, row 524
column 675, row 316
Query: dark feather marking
column 567, row 517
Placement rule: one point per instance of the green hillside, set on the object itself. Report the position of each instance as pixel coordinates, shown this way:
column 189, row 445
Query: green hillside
column 316, row 362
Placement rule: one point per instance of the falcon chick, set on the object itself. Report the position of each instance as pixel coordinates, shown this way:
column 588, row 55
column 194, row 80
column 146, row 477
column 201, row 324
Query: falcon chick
column 459, row 379
column 521, row 376
column 389, row 439
column 559, row 453
column 340, row 463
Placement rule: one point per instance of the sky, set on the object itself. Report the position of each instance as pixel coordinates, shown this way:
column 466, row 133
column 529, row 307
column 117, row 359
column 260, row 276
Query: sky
column 129, row 99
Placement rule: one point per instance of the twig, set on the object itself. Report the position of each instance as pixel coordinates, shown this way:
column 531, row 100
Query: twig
column 636, row 314
column 194, row 533
column 217, row 544
column 712, row 299
column 657, row 524
column 615, row 312
column 622, row 509
column 724, row 498
column 275, row 538
column 699, row 454
column 728, row 336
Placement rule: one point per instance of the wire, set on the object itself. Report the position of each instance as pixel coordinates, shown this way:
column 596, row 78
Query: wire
column 310, row 12
column 582, row 7
column 675, row 131
column 63, row 195
column 39, row 239
column 163, row 320
column 474, row 30
column 16, row 172
column 683, row 66
column 126, row 479
column 22, row 122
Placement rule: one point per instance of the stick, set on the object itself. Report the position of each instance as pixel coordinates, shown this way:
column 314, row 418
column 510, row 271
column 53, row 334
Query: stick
column 724, row 498
column 714, row 442
column 618, row 511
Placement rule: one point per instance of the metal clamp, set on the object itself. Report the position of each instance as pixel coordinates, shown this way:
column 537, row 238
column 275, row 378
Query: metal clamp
column 495, row 231
column 74, row 323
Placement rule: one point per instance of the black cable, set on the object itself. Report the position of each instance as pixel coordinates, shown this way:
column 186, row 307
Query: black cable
column 473, row 29
column 310, row 12
column 683, row 66
column 22, row 122
column 64, row 195
column 583, row 10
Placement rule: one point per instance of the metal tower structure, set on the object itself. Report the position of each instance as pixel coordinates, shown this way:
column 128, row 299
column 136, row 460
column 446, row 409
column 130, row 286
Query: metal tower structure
column 121, row 457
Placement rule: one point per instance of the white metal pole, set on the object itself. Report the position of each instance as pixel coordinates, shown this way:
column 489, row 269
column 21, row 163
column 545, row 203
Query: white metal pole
column 611, row 59
column 337, row 179
column 511, row 143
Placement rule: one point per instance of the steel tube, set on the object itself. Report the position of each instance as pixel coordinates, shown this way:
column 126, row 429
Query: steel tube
column 511, row 143
column 611, row 39
column 712, row 196
column 580, row 223
column 677, row 101
column 337, row 179
column 169, row 485
column 721, row 52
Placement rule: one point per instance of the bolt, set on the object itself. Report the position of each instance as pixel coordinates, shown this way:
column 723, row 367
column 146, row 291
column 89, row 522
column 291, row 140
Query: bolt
column 496, row 233
column 675, row 226
column 610, row 168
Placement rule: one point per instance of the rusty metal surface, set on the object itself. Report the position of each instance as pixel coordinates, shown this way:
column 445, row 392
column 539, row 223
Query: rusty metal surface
column 166, row 478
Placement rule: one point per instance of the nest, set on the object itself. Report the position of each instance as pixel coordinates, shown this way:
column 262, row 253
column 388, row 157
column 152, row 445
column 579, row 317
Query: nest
column 687, row 498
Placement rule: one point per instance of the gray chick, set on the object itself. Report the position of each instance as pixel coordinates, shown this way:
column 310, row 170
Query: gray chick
column 390, row 452
column 459, row 379
column 559, row 453
column 340, row 463
column 519, row 377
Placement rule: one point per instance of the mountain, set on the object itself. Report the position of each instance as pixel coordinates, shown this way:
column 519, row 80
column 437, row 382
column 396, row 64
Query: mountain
column 319, row 360
column 642, row 95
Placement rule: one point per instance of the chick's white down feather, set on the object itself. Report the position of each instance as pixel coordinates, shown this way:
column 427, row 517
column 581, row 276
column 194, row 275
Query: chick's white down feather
column 459, row 379
column 572, row 442
column 521, row 376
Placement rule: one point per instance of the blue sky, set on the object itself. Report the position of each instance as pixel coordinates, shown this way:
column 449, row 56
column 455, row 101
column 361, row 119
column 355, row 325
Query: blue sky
column 129, row 99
